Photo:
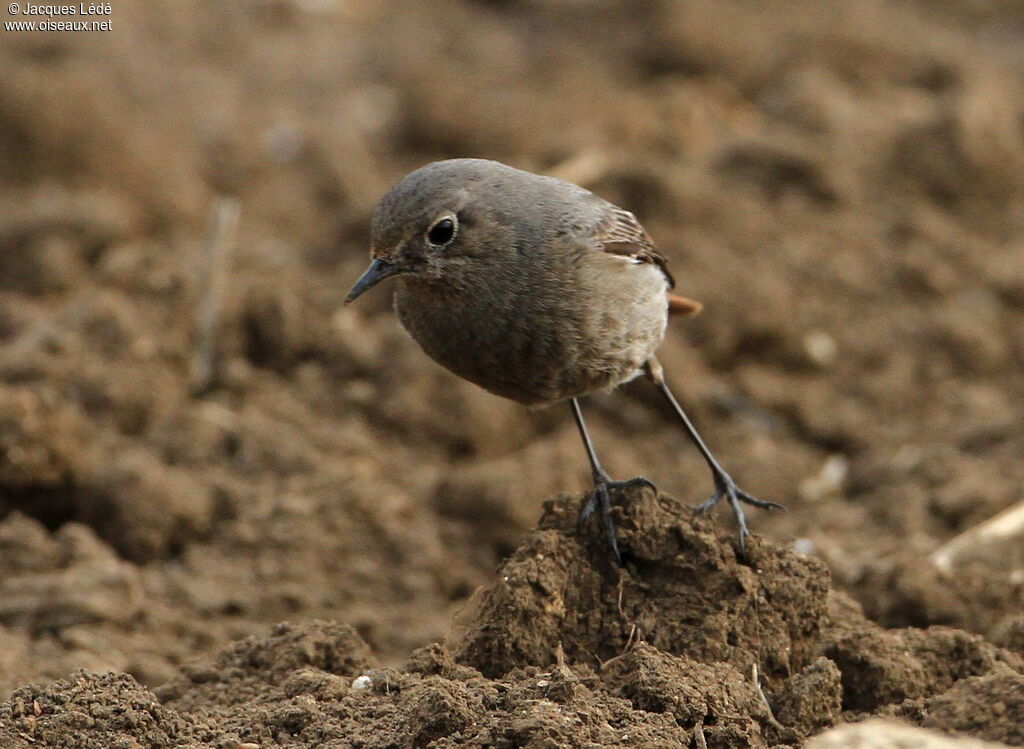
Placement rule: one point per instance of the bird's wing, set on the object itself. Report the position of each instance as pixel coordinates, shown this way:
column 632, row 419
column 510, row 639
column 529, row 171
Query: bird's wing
column 619, row 233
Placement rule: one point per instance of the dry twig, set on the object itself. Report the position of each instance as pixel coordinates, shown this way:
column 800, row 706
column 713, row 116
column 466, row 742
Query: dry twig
column 212, row 280
column 1007, row 525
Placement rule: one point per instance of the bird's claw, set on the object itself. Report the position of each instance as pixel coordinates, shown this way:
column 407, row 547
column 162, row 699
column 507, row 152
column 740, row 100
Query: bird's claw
column 601, row 498
column 725, row 488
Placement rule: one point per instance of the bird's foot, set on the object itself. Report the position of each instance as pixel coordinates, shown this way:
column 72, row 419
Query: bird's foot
column 725, row 488
column 601, row 500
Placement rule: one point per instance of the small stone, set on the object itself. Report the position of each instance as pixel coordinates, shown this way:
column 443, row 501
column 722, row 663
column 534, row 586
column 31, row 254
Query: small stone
column 821, row 348
column 362, row 683
column 804, row 546
column 828, row 482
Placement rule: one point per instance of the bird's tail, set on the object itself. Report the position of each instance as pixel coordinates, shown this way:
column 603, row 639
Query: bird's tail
column 680, row 305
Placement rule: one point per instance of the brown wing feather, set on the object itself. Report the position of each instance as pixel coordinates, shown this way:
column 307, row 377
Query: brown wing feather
column 621, row 234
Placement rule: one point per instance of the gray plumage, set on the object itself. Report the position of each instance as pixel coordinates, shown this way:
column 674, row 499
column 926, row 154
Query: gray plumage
column 547, row 292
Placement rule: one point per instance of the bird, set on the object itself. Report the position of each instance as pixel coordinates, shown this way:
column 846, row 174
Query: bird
column 536, row 290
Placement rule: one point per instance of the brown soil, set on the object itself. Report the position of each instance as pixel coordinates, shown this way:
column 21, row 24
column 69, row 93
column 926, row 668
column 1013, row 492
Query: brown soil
column 568, row 650
column 841, row 184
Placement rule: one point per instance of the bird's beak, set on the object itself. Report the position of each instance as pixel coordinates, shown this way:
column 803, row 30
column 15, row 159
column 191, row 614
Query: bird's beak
column 379, row 270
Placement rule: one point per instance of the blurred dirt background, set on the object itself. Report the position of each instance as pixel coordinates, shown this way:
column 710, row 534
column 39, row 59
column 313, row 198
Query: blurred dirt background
column 196, row 443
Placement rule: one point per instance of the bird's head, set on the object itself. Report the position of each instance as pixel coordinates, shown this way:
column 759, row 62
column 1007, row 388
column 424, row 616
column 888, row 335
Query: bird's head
column 427, row 225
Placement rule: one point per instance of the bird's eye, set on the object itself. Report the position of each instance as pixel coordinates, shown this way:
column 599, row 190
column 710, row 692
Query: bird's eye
column 442, row 233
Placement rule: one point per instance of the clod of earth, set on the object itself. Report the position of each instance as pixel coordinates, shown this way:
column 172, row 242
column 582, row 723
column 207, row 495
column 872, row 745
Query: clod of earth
column 685, row 645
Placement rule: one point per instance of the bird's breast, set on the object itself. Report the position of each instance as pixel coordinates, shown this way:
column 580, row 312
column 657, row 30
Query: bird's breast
column 538, row 343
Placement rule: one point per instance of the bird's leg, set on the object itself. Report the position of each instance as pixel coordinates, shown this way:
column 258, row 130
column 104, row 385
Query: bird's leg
column 725, row 487
column 601, row 498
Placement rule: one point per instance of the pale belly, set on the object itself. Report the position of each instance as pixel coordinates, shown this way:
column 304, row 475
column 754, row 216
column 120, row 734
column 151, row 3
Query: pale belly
column 545, row 353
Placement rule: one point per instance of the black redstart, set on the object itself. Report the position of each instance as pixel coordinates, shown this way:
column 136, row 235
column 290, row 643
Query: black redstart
column 534, row 289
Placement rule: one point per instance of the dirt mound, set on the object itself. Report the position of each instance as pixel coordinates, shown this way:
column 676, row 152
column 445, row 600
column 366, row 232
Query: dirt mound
column 682, row 591
column 88, row 711
column 685, row 643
